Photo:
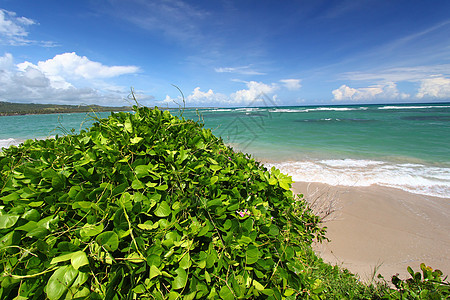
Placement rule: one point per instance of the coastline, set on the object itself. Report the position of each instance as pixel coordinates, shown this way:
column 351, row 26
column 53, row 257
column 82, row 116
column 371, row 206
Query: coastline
column 381, row 227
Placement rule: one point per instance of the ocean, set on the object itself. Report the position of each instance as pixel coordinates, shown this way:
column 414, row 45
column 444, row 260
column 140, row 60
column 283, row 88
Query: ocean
column 401, row 146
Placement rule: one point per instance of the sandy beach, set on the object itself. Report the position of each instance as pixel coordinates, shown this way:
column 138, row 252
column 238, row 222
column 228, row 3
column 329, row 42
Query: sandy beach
column 383, row 228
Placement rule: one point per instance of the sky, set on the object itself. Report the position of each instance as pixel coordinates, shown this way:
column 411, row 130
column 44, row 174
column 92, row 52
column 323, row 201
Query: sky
column 222, row 53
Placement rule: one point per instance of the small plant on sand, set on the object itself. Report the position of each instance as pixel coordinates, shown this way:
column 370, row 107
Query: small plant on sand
column 429, row 284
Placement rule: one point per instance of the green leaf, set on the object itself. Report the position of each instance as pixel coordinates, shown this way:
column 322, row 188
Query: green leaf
column 136, row 140
column 78, row 294
column 11, row 197
column 86, row 205
column 109, row 240
column 141, row 171
column 211, row 160
column 81, row 278
column 58, row 182
column 214, row 179
column 252, row 254
column 137, row 184
column 79, row 259
column 162, row 187
column 31, row 215
column 38, row 232
column 185, row 262
column 285, row 185
column 7, row 221
column 258, row 285
column 273, row 180
column 226, row 294
column 182, row 156
column 148, row 225
column 215, row 202
column 60, row 282
column 28, row 227
column 163, row 210
column 173, row 295
column 289, row 292
column 180, row 280
column 267, row 292
column 215, row 167
column 61, row 258
column 128, row 125
column 154, row 271
column 91, row 230
column 207, row 277
column 125, row 201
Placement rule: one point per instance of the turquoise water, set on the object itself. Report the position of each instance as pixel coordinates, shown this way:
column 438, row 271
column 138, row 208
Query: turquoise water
column 401, row 146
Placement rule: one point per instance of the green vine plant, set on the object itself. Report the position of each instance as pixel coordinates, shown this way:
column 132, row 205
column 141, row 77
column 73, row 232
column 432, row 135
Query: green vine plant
column 147, row 205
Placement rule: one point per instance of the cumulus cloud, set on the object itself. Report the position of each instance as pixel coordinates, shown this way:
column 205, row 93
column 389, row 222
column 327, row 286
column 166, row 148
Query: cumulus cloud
column 386, row 91
column 208, row 97
column 71, row 65
column 436, row 87
column 256, row 93
column 66, row 78
column 13, row 30
column 253, row 92
column 291, row 84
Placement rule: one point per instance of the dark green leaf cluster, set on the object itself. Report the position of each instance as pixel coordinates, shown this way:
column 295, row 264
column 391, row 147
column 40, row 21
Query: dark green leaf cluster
column 426, row 285
column 147, row 205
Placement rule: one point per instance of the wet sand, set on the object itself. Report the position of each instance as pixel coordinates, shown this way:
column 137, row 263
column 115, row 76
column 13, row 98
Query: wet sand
column 382, row 228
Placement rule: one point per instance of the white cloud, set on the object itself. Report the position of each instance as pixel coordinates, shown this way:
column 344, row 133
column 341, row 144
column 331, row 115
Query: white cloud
column 344, row 92
column 244, row 70
column 291, row 84
column 13, row 26
column 68, row 79
column 70, row 65
column 437, row 87
column 13, row 30
column 387, row 91
column 256, row 93
column 208, row 97
column 6, row 62
column 412, row 74
column 253, row 92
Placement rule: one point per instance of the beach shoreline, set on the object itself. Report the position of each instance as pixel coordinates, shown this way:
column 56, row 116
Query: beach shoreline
column 381, row 229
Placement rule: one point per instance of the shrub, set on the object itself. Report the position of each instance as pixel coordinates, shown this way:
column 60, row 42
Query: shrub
column 428, row 285
column 147, row 205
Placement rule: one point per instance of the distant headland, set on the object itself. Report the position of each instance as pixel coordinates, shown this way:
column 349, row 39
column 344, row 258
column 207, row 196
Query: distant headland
column 11, row 109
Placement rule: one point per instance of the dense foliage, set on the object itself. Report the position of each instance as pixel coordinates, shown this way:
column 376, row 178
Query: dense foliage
column 148, row 205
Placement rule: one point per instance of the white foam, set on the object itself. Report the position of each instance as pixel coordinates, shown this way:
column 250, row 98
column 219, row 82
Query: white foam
column 221, row 109
column 415, row 178
column 247, row 109
column 290, row 110
column 8, row 142
column 413, row 107
column 350, row 162
column 284, row 110
column 333, row 109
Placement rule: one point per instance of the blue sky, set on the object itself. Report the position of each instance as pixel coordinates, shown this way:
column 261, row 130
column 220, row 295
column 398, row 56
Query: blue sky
column 225, row 53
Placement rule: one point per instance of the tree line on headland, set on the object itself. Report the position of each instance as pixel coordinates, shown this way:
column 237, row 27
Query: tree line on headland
column 11, row 109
